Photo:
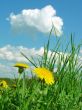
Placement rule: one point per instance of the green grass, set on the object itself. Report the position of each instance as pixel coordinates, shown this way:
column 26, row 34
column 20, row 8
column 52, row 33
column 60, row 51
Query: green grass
column 64, row 94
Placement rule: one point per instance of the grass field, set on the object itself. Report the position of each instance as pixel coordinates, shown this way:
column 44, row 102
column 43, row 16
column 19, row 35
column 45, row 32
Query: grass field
column 62, row 92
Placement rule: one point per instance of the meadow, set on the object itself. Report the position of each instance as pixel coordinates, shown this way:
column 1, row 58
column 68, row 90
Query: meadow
column 47, row 89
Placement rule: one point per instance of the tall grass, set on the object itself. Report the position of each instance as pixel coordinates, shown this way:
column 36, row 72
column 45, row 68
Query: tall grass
column 64, row 94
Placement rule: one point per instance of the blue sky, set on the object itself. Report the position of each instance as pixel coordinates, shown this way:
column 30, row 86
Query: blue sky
column 68, row 10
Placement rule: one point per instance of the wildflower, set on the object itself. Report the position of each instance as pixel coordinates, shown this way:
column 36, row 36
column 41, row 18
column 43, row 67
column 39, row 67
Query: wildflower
column 45, row 74
column 3, row 84
column 21, row 67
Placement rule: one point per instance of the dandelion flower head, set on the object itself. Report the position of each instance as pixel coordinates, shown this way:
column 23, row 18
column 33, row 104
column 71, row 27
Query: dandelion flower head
column 45, row 74
column 21, row 67
column 3, row 84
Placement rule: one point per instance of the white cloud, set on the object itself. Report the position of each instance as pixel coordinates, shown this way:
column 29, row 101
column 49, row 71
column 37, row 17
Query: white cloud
column 8, row 71
column 12, row 53
column 39, row 19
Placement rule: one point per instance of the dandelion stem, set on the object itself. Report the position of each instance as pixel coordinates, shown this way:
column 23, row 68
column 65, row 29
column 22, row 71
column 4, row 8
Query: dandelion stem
column 23, row 85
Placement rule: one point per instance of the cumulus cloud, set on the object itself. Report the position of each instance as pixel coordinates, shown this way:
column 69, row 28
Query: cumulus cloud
column 11, row 53
column 7, row 71
column 39, row 19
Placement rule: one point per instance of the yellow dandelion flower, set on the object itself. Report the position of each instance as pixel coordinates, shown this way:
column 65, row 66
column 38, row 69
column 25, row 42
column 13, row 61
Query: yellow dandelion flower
column 3, row 84
column 21, row 67
column 45, row 74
